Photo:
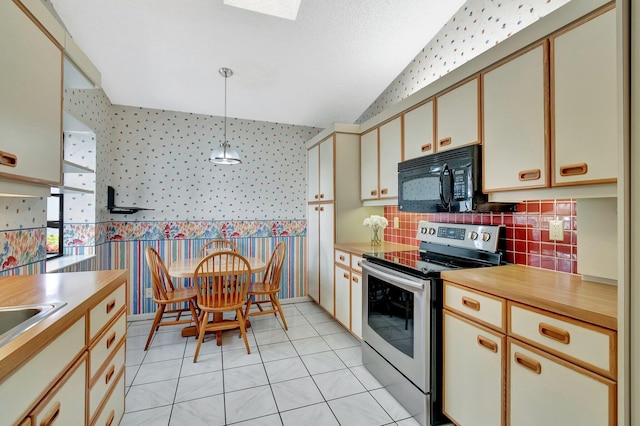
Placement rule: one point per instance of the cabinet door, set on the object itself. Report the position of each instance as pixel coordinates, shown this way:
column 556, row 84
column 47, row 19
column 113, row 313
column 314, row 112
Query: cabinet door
column 515, row 140
column 389, row 157
column 546, row 390
column 473, row 372
column 584, row 99
column 326, row 257
column 313, row 174
column 343, row 299
column 30, row 100
column 356, row 304
column 369, row 165
column 458, row 116
column 313, row 251
column 419, row 132
column 326, row 169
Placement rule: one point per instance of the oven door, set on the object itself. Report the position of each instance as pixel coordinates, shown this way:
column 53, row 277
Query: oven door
column 396, row 320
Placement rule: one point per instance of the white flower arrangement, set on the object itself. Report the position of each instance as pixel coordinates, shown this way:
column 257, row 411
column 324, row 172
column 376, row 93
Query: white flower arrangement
column 375, row 221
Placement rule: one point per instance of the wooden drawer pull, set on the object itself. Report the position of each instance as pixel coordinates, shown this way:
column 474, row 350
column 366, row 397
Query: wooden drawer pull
column 488, row 344
column 51, row 416
column 374, row 192
column 384, row 191
column 316, row 196
column 529, row 174
column 111, row 339
column 574, row 169
column 321, row 209
column 554, row 333
column 112, row 416
column 528, row 363
column 346, row 275
column 342, row 258
column 321, row 195
column 360, row 264
column 354, row 279
column 445, row 141
column 7, row 159
column 109, row 375
column 317, row 208
column 470, row 303
column 110, row 305
column 425, row 147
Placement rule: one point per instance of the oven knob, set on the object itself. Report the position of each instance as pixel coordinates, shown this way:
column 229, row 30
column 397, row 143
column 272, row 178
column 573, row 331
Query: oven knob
column 486, row 236
column 423, row 230
column 473, row 235
column 432, row 231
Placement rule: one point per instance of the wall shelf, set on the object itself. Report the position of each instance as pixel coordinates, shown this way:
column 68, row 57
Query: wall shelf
column 70, row 167
column 70, row 190
column 113, row 209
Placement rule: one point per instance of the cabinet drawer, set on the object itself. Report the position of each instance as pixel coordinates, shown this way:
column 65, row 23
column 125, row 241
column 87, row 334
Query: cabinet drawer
column 489, row 310
column 343, row 258
column 356, row 263
column 113, row 409
column 106, row 379
column 546, row 390
column 106, row 310
column 586, row 344
column 101, row 350
column 26, row 385
column 62, row 404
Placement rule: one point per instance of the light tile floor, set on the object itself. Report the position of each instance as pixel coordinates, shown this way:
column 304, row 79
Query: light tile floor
column 311, row 374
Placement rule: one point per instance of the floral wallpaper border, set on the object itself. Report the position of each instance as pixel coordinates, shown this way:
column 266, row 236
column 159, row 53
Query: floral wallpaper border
column 22, row 247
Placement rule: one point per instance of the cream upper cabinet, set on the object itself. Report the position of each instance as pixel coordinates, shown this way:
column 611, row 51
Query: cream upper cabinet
column 390, row 146
column 326, row 169
column 458, row 116
column 369, row 165
column 419, row 131
column 30, row 100
column 320, row 171
column 584, row 102
column 515, row 142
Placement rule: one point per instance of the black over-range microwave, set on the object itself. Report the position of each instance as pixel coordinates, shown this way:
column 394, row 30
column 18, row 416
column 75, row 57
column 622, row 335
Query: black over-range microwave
column 449, row 181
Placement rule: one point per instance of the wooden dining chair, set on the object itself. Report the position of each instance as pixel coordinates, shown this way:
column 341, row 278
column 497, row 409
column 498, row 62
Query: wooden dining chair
column 221, row 279
column 219, row 244
column 269, row 287
column 165, row 295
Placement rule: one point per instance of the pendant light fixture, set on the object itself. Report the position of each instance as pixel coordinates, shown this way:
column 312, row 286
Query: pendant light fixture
column 224, row 154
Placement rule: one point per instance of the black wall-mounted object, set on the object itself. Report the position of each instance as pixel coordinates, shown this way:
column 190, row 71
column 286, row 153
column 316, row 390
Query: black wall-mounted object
column 111, row 204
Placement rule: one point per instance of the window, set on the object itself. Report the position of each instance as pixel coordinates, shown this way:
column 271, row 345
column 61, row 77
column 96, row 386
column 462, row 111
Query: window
column 55, row 225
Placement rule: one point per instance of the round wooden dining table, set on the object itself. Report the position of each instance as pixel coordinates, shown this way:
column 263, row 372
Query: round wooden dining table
column 184, row 268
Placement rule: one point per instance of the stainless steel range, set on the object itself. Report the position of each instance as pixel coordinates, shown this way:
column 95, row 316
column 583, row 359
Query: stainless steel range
column 402, row 310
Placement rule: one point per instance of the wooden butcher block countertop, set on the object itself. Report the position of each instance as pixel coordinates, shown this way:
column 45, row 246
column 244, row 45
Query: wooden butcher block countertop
column 366, row 247
column 80, row 290
column 556, row 292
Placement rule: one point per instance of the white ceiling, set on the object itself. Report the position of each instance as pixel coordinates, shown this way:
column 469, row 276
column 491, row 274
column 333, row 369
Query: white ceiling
column 328, row 65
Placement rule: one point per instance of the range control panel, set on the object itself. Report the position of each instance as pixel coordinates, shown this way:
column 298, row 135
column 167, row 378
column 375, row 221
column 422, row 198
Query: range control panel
column 479, row 237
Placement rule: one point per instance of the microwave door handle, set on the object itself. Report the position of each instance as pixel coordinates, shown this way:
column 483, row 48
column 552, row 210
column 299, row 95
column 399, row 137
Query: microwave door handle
column 445, row 202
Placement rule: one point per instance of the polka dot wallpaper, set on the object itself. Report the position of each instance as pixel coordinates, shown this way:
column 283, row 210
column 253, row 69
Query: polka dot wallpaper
column 476, row 27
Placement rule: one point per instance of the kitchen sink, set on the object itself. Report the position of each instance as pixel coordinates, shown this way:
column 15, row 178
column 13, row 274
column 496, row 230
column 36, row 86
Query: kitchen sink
column 15, row 320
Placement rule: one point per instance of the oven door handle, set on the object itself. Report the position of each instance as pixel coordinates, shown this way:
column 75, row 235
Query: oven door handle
column 397, row 279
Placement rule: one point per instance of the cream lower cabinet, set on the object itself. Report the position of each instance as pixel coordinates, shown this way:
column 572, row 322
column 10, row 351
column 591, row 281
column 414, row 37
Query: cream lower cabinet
column 320, row 228
column 546, row 390
column 343, row 296
column 348, row 279
column 473, row 372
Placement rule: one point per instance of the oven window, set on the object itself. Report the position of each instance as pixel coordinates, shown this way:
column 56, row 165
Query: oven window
column 391, row 314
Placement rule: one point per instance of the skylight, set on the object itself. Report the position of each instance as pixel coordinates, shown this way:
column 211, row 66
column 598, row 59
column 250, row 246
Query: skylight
column 287, row 9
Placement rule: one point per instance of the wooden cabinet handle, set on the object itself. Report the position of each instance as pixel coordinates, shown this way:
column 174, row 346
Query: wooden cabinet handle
column 374, row 192
column 321, row 209
column 354, row 279
column 321, row 195
column 470, row 303
column 52, row 415
column 7, row 159
column 342, row 258
column 445, row 141
column 425, row 147
column 555, row 333
column 109, row 375
column 360, row 264
column 110, row 305
column 112, row 416
column 528, row 363
column 529, row 174
column 316, row 196
column 384, row 191
column 317, row 209
column 574, row 169
column 346, row 275
column 111, row 339
column 488, row 344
